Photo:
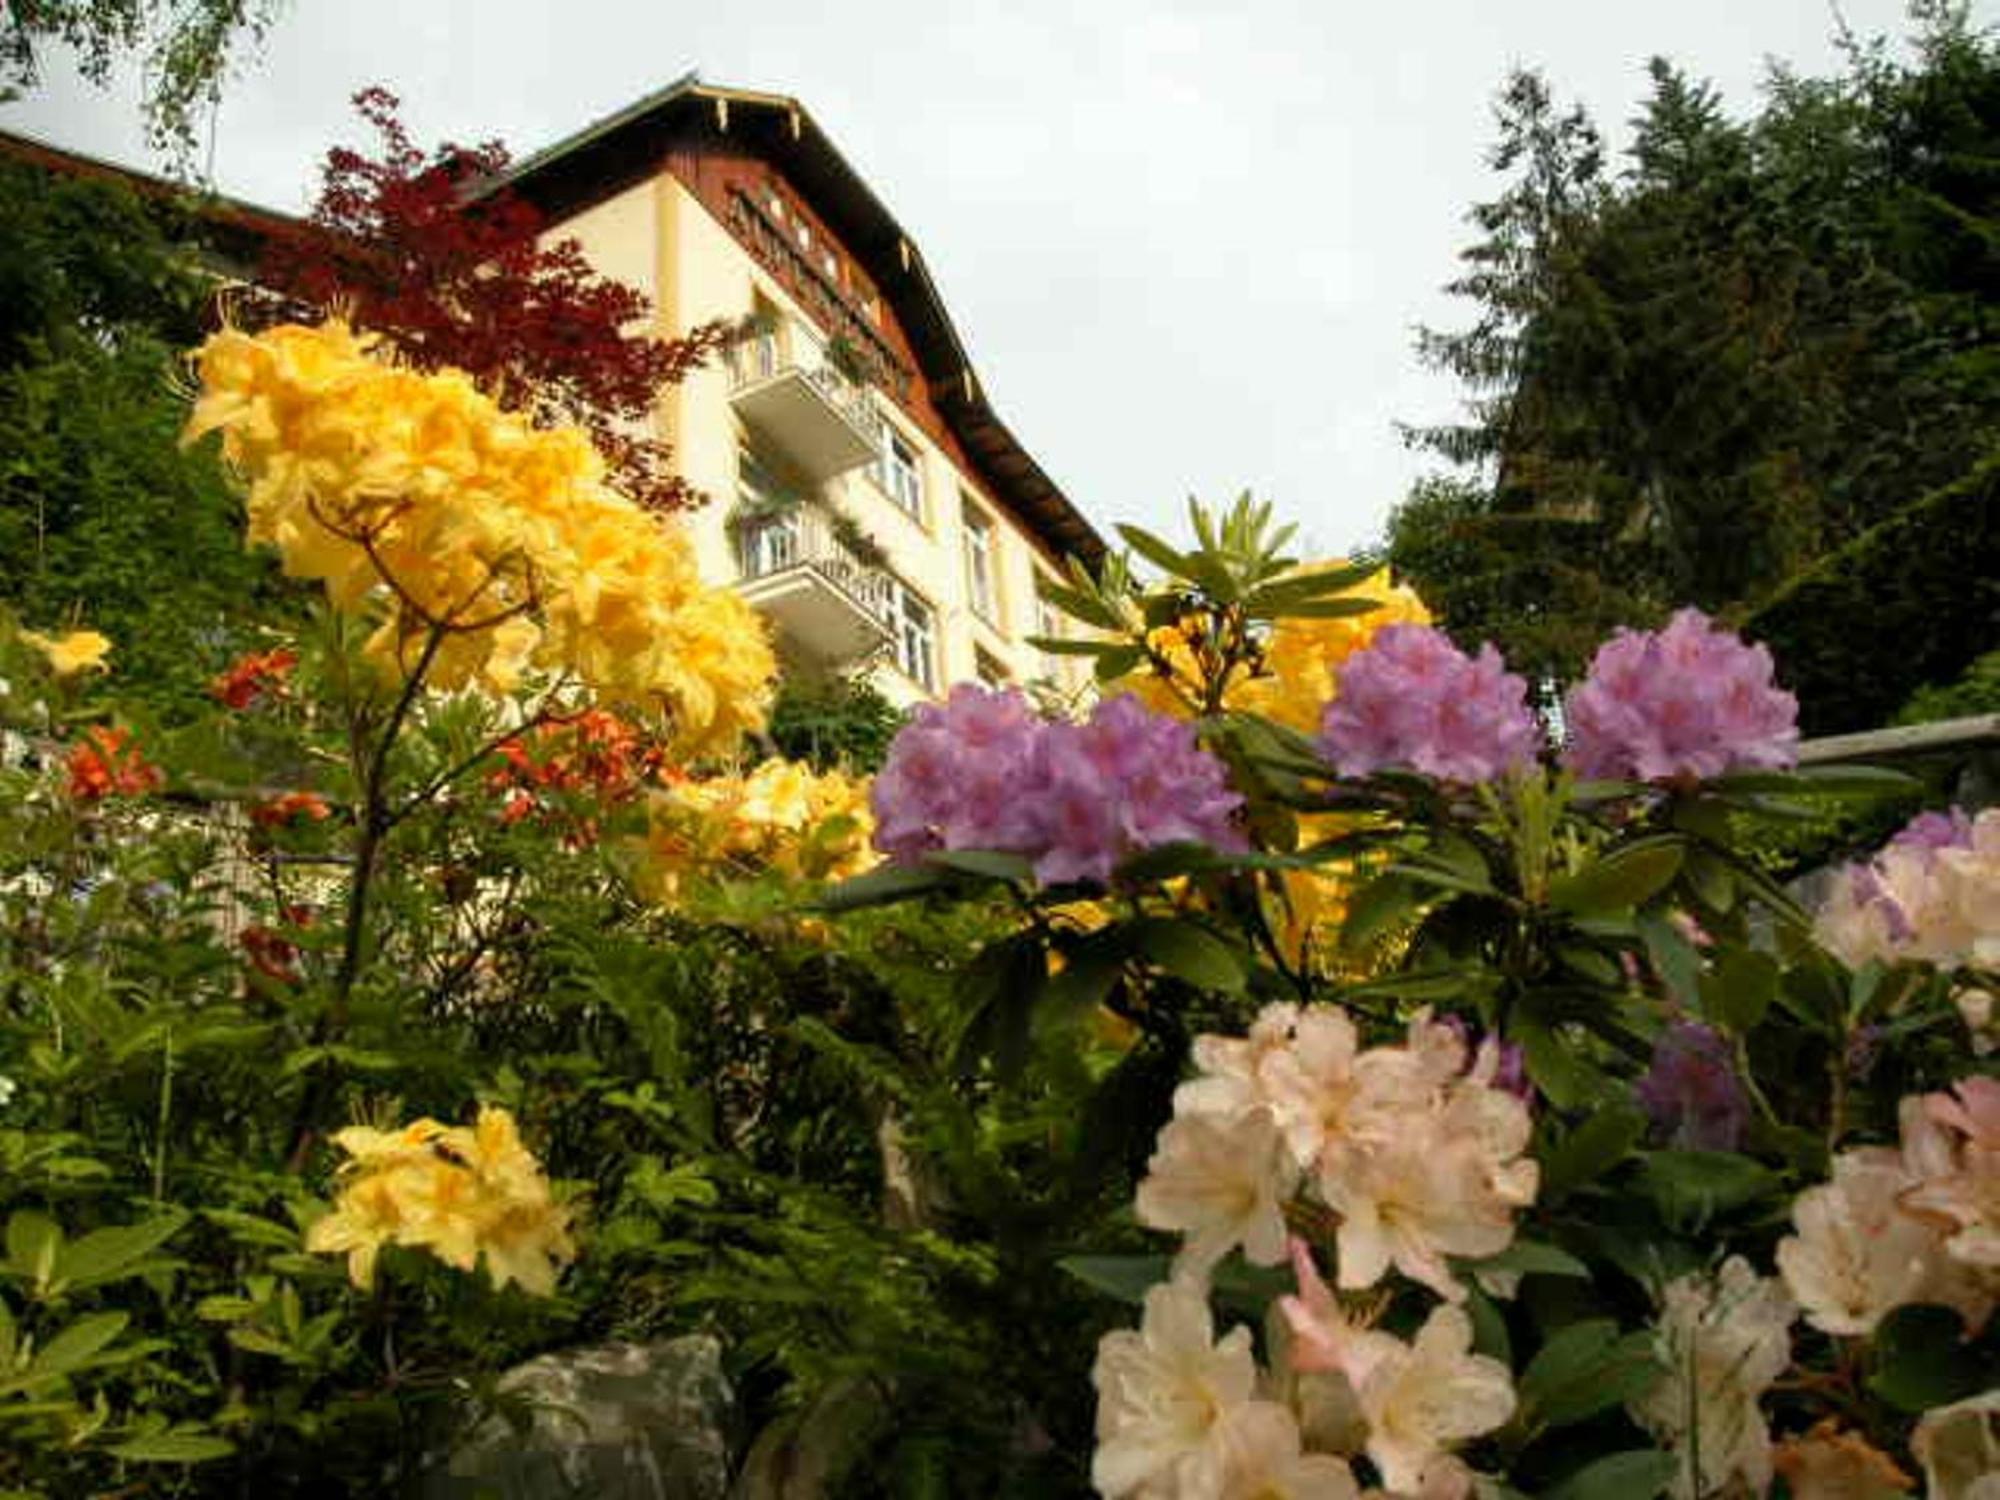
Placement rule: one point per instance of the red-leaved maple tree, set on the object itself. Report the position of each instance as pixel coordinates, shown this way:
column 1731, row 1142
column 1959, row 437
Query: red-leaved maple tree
column 430, row 251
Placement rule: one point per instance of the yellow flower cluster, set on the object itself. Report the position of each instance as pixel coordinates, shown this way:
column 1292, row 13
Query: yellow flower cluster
column 1301, row 661
column 781, row 816
column 67, row 655
column 495, row 544
column 458, row 1192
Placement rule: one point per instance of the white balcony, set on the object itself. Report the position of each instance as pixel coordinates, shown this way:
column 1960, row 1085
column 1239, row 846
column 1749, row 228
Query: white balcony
column 828, row 603
column 783, row 387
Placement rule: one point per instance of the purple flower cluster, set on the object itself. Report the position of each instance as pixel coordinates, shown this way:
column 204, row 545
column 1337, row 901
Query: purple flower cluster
column 1413, row 701
column 1933, row 831
column 984, row 772
column 1689, row 701
column 1691, row 1092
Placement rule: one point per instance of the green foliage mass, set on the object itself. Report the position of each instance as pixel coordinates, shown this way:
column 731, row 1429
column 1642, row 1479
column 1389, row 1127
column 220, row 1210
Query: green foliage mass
column 104, row 520
column 1700, row 373
column 833, row 722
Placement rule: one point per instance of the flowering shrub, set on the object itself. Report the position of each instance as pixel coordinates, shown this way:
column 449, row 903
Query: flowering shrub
column 1528, row 1159
column 781, row 816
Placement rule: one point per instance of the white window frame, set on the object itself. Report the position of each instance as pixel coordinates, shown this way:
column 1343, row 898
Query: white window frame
column 900, row 478
column 982, row 562
column 912, row 623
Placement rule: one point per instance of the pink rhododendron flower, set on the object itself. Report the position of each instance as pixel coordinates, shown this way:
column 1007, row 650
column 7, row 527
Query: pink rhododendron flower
column 1691, row 1091
column 984, row 772
column 1686, row 702
column 1931, row 894
column 1413, row 701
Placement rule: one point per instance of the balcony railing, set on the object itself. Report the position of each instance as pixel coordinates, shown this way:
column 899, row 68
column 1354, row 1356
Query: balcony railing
column 782, row 384
column 830, row 603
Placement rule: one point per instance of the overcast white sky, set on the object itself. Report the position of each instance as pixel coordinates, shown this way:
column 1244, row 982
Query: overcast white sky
column 1186, row 244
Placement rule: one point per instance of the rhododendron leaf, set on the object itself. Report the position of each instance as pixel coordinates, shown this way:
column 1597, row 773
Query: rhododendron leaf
column 1278, row 598
column 1923, row 1359
column 1000, row 987
column 1738, row 990
column 1600, row 1143
column 1155, row 551
column 1691, row 1187
column 1489, row 1327
column 1862, row 783
column 1190, row 953
column 1673, row 957
column 1115, row 661
column 1085, row 606
column 1584, row 1369
column 1333, row 609
column 1711, row 880
column 1059, row 645
column 889, row 884
column 1129, row 1277
column 106, row 1254
column 77, row 1344
column 1553, row 1063
column 987, row 864
column 34, row 1240
column 1639, row 1474
column 173, row 1448
column 1532, row 1258
column 1622, row 880
column 1592, row 963
column 1379, row 907
column 1168, row 862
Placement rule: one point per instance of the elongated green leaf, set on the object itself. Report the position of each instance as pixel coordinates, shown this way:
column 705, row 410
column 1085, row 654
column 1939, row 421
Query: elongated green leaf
column 1379, row 907
column 1117, row 661
column 1339, row 608
column 1625, row 878
column 34, row 1240
column 1737, row 992
column 74, row 1346
column 883, row 887
column 1155, row 551
column 1600, row 1143
column 1691, row 1187
column 1584, row 1369
column 1922, row 1359
column 1532, row 1258
column 1062, row 645
column 173, row 1448
column 987, row 864
column 105, row 1254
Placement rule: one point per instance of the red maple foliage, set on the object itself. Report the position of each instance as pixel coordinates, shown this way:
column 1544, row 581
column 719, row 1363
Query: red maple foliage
column 434, row 252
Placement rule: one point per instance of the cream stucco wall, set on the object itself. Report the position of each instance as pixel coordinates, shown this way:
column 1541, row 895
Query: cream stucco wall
column 658, row 236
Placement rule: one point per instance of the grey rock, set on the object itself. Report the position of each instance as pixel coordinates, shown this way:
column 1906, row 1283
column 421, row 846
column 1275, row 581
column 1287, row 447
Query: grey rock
column 612, row 1422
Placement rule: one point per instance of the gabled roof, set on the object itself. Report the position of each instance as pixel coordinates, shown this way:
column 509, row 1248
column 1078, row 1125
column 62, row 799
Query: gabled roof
column 625, row 146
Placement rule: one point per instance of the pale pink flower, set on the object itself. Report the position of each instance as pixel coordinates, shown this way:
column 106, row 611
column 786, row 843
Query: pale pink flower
column 1264, row 1459
column 1163, row 1391
column 1951, row 1145
column 1858, row 1255
column 1971, row 877
column 1222, row 1182
column 1958, row 1447
column 1411, row 700
column 1421, row 1400
column 1232, row 1068
column 1722, row 1340
column 1324, row 1339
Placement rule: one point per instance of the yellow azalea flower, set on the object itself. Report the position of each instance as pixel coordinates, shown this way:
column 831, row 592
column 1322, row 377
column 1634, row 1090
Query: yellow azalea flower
column 78, row 651
column 1301, row 660
column 781, row 816
column 414, row 499
column 460, row 1193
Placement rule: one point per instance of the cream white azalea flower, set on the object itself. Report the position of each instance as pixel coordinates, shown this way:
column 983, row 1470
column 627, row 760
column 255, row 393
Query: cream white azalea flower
column 1971, row 880
column 1722, row 1340
column 1163, row 1390
column 1312, row 1085
column 1951, row 1146
column 1264, row 1459
column 1858, row 1254
column 1958, row 1447
column 1221, row 1182
column 1421, row 1400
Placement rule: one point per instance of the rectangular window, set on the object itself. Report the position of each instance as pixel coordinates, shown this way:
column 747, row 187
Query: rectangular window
column 897, row 472
column 989, row 672
column 916, row 638
column 1050, row 621
column 981, row 581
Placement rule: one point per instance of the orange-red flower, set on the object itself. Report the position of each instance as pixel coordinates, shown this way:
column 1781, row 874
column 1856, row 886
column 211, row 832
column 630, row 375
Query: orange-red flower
column 289, row 808
column 254, row 676
column 105, row 763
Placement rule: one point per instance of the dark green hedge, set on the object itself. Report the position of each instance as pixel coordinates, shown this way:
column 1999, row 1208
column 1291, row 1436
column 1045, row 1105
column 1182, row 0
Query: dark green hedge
column 1909, row 603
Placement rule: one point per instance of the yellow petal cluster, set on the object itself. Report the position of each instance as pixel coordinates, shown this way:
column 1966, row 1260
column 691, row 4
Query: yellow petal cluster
column 77, row 651
column 1301, row 661
column 496, row 544
column 782, row 815
column 459, row 1192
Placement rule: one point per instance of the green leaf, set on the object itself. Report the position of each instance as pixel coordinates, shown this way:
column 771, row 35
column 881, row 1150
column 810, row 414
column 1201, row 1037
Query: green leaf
column 34, row 1240
column 1600, row 1143
column 1622, row 880
column 1738, row 991
column 1378, row 908
column 1691, row 1187
column 1923, row 1359
column 1333, row 609
column 105, row 1254
column 987, row 864
column 1167, row 862
column 883, row 887
column 1554, row 1064
column 173, row 1448
column 1531, row 1258
column 74, row 1346
column 1584, row 1369
column 1125, row 1277
column 1086, row 606
column 1062, row 645
column 1637, row 1474
column 1190, row 952
column 1116, row 661
column 1155, row 551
